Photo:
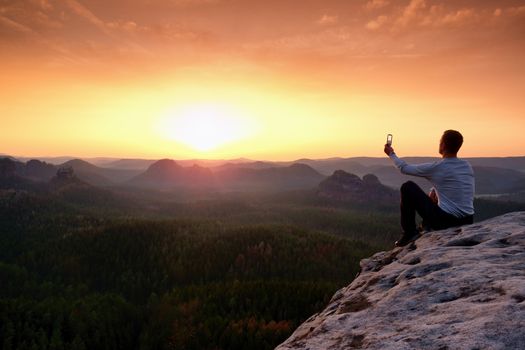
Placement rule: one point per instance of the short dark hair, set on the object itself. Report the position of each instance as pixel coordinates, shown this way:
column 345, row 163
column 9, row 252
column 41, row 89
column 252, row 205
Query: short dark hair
column 452, row 141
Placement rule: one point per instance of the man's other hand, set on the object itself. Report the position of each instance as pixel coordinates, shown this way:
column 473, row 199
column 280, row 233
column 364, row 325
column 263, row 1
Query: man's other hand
column 433, row 195
column 388, row 149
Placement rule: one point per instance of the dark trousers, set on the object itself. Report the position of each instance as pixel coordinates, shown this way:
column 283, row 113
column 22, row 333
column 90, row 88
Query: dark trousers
column 413, row 200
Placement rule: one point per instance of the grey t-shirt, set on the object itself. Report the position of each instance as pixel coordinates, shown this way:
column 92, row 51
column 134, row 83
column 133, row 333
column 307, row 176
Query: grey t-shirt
column 453, row 179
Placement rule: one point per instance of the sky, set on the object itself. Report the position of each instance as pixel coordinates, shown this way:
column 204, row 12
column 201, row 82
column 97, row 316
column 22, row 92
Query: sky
column 273, row 79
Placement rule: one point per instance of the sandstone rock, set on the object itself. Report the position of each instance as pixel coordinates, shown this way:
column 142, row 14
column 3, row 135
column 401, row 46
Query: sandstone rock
column 346, row 187
column 461, row 288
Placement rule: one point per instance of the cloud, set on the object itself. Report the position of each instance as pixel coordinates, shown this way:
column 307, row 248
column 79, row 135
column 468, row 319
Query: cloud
column 85, row 13
column 186, row 3
column 417, row 14
column 45, row 21
column 162, row 30
column 43, row 4
column 71, row 29
column 346, row 42
column 460, row 16
column 510, row 13
column 124, row 25
column 157, row 32
column 377, row 23
column 410, row 13
column 327, row 20
column 376, row 4
column 37, row 38
column 32, row 14
column 516, row 11
column 7, row 22
column 318, row 41
column 173, row 32
column 122, row 43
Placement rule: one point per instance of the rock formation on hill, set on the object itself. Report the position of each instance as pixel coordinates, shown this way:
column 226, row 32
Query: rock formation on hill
column 88, row 172
column 166, row 173
column 39, row 171
column 461, row 288
column 7, row 167
column 65, row 176
column 345, row 187
column 33, row 170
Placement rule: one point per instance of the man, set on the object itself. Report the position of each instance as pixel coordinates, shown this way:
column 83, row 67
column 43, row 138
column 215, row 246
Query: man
column 451, row 201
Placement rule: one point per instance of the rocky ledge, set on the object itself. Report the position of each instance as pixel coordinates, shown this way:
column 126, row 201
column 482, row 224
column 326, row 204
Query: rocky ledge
column 461, row 288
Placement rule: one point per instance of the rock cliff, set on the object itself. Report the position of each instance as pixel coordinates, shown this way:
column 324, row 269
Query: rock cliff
column 461, row 288
column 345, row 187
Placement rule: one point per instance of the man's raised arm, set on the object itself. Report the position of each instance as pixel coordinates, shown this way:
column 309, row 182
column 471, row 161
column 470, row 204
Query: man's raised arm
column 422, row 170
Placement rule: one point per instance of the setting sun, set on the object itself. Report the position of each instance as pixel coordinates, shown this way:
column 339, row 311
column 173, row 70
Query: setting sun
column 204, row 127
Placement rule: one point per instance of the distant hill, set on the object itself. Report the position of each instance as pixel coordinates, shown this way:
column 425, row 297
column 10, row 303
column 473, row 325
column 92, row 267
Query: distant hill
column 8, row 157
column 67, row 186
column 51, row 160
column 166, row 174
column 514, row 163
column 36, row 177
column 100, row 176
column 38, row 171
column 345, row 187
column 130, row 164
column 238, row 174
column 328, row 166
column 65, row 176
column 390, row 176
column 493, row 180
column 16, row 174
column 88, row 172
column 63, row 186
column 9, row 167
column 249, row 165
column 16, row 182
column 493, row 174
column 364, row 165
column 295, row 176
column 209, row 163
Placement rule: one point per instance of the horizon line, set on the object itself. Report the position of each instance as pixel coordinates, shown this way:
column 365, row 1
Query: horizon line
column 111, row 158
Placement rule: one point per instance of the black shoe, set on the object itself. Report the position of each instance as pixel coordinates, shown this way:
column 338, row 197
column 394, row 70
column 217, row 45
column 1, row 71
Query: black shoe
column 405, row 239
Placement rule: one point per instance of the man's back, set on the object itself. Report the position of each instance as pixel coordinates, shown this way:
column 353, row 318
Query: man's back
column 453, row 179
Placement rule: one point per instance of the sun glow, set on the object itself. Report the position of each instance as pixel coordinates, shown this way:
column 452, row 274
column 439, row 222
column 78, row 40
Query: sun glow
column 205, row 127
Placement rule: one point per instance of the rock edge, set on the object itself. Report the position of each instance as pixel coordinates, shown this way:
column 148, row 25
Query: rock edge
column 460, row 288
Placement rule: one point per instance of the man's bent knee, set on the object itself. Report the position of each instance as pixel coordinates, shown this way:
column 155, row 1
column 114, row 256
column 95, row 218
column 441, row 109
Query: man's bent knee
column 407, row 186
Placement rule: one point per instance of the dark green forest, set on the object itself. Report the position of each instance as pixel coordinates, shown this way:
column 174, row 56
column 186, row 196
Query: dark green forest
column 87, row 268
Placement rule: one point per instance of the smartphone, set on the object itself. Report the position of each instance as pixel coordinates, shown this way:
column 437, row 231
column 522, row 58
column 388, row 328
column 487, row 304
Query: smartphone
column 389, row 139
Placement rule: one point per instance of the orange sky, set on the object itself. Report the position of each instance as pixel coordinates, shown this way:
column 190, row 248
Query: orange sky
column 274, row 79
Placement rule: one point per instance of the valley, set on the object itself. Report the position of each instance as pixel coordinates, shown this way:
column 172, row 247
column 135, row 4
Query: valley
column 230, row 256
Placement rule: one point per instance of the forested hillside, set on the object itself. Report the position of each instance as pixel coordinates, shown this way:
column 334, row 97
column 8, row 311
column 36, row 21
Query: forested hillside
column 74, row 279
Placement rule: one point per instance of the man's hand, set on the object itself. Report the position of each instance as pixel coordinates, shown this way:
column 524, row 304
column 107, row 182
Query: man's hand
column 388, row 149
column 433, row 195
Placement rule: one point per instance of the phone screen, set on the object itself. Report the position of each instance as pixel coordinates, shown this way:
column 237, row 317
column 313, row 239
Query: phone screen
column 389, row 139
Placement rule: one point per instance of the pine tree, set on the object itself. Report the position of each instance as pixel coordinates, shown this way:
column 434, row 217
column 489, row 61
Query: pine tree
column 78, row 344
column 56, row 339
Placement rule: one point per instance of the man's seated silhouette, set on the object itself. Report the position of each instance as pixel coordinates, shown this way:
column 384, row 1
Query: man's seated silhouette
column 451, row 201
